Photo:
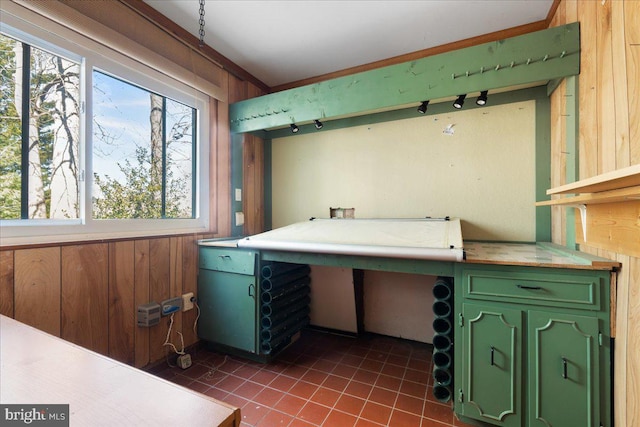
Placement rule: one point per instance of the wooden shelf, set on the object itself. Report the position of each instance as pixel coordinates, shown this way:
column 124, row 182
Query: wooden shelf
column 609, row 224
column 610, row 196
column 621, row 178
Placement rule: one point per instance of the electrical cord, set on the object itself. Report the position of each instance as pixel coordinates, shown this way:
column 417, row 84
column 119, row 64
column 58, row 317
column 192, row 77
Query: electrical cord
column 195, row 322
column 167, row 342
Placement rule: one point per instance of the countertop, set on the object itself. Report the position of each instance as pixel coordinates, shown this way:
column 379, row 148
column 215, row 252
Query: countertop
column 534, row 254
column 540, row 254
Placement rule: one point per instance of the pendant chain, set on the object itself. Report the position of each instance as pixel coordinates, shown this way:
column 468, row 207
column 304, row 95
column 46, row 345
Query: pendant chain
column 201, row 22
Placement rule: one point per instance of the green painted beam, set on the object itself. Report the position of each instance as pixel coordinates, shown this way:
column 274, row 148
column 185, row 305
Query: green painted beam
column 539, row 56
column 543, row 166
column 536, row 93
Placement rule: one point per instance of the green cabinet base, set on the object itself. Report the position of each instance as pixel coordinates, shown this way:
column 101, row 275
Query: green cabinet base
column 532, row 347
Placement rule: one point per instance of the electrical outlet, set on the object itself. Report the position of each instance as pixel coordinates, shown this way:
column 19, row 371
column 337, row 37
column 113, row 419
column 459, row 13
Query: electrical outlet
column 171, row 305
column 187, row 301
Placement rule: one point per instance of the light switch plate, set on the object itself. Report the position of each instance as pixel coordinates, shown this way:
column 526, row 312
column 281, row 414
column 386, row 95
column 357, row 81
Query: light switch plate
column 239, row 218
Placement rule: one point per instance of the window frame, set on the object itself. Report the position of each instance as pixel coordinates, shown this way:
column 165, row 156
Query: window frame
column 69, row 44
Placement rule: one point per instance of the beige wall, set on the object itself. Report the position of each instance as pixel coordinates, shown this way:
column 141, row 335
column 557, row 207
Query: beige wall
column 484, row 173
column 609, row 139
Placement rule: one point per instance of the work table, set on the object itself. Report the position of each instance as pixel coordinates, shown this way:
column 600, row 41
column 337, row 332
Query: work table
column 542, row 254
column 531, row 322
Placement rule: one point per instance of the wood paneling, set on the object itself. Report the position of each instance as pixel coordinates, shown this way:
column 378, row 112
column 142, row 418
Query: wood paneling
column 85, row 295
column 253, row 183
column 141, row 296
column 253, row 176
column 159, row 290
column 175, row 289
column 613, row 227
column 221, row 151
column 89, row 293
column 6, row 283
column 558, row 158
column 621, row 103
column 37, row 288
column 632, row 40
column 189, row 284
column 609, row 140
column 588, row 127
column 606, row 99
column 632, row 374
column 121, row 301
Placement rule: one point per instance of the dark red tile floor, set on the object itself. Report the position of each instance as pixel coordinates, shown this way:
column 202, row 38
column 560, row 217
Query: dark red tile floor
column 325, row 380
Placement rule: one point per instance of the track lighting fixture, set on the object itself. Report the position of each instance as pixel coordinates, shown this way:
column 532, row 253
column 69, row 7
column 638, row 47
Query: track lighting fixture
column 459, row 102
column 423, row 107
column 482, row 99
column 294, row 128
column 318, row 124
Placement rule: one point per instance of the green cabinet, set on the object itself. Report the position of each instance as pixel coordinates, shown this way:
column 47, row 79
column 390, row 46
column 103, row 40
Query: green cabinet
column 564, row 384
column 250, row 307
column 227, row 292
column 228, row 309
column 532, row 347
column 492, row 370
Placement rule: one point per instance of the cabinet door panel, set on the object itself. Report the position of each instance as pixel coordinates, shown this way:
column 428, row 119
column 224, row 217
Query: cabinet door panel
column 563, row 372
column 227, row 309
column 492, row 341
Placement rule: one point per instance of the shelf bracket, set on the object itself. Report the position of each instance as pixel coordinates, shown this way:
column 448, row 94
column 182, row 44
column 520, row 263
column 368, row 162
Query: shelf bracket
column 583, row 217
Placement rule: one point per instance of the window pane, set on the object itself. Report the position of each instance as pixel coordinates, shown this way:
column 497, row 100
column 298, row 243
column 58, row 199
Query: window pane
column 138, row 171
column 179, row 142
column 50, row 178
column 10, row 128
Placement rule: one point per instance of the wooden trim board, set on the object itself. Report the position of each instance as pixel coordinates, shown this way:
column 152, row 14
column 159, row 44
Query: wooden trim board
column 609, row 196
column 621, row 178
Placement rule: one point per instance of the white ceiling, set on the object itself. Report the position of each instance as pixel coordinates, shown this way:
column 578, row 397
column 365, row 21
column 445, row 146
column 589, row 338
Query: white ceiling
column 280, row 41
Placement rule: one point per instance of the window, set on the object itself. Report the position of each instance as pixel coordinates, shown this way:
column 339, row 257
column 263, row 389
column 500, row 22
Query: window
column 40, row 133
column 142, row 152
column 93, row 143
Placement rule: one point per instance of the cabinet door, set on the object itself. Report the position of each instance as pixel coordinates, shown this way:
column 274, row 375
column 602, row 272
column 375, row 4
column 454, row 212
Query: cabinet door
column 227, row 309
column 492, row 367
column 563, row 370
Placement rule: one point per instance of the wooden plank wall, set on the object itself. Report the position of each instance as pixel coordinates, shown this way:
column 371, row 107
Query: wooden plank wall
column 88, row 293
column 609, row 139
column 252, row 163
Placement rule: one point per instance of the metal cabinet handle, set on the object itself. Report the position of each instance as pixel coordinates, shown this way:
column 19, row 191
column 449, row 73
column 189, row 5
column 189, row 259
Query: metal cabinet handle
column 224, row 257
column 493, row 350
column 564, row 368
column 251, row 286
column 534, row 288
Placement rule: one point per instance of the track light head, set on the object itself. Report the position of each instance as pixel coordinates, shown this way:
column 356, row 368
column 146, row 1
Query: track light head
column 318, row 124
column 423, row 107
column 294, row 128
column 482, row 99
column 459, row 102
